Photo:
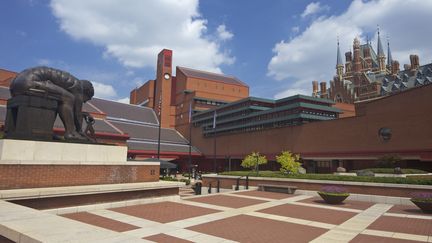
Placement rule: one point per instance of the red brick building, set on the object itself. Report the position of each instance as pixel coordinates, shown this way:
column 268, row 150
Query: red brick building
column 190, row 88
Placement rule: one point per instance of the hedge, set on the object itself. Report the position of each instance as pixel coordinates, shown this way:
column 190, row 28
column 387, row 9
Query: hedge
column 396, row 180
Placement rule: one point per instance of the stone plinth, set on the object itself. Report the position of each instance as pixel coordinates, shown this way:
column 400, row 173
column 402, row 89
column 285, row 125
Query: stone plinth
column 31, row 117
column 38, row 152
column 36, row 164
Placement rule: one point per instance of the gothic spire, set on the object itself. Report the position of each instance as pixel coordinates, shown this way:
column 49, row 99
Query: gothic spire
column 380, row 48
column 339, row 57
column 389, row 55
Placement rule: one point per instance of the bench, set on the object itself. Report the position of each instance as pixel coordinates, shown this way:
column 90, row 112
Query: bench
column 277, row 188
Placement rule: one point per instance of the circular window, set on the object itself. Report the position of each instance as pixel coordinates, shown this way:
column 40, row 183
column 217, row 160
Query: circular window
column 385, row 133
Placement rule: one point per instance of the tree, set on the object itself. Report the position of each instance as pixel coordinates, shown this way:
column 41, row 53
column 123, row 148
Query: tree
column 253, row 161
column 289, row 162
column 389, row 161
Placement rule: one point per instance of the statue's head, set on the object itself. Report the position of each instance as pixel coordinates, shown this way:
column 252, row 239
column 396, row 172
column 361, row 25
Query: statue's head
column 88, row 90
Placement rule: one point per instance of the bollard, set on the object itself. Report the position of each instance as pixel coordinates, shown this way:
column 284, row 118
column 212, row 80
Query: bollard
column 237, row 184
column 218, row 186
column 209, row 189
column 247, row 182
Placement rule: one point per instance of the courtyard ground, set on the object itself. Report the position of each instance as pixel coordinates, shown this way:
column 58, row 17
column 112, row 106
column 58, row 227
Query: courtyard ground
column 254, row 216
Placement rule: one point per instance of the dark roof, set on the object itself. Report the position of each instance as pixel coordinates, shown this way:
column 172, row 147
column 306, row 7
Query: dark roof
column 152, row 146
column 211, row 76
column 145, row 132
column 101, row 126
column 4, row 93
column 123, row 111
column 406, row 79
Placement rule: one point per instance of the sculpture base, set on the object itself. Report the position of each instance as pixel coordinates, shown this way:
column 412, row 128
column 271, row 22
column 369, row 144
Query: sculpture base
column 39, row 152
column 30, row 117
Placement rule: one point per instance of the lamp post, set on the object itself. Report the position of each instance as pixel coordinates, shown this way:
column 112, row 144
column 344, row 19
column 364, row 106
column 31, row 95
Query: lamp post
column 160, row 124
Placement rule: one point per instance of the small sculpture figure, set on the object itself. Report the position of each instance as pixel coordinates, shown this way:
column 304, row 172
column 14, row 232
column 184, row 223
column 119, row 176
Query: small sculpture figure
column 89, row 131
column 69, row 91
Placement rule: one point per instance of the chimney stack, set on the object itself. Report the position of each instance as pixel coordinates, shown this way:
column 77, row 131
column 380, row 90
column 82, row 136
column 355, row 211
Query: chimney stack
column 414, row 62
column 395, row 67
column 323, row 89
column 314, row 88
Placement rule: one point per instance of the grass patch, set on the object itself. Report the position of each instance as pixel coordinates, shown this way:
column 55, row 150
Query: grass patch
column 397, row 180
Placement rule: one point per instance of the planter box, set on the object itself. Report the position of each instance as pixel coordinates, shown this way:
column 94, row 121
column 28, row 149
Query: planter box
column 424, row 206
column 333, row 199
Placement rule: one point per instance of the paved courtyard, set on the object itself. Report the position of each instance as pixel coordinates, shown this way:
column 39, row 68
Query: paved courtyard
column 253, row 216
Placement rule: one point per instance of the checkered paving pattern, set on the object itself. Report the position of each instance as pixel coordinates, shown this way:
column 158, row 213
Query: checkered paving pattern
column 310, row 213
column 403, row 225
column 377, row 239
column 163, row 238
column 164, row 212
column 253, row 216
column 265, row 195
column 244, row 228
column 100, row 221
column 346, row 204
column 227, row 201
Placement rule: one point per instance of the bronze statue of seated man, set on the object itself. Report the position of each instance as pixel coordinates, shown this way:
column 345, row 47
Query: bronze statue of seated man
column 70, row 92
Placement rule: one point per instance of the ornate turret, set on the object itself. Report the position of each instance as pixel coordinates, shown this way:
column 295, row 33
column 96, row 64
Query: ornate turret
column 357, row 59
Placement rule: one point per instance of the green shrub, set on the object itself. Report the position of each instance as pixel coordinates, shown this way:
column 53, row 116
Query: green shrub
column 396, row 180
column 391, row 171
column 187, row 181
column 289, row 162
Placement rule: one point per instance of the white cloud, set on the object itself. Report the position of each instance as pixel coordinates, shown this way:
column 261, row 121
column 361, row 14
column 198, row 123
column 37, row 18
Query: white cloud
column 314, row 8
column 295, row 29
column 135, row 31
column 103, row 90
column 311, row 55
column 224, row 34
column 123, row 100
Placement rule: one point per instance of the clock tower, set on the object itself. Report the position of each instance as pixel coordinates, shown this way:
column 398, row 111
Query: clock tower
column 163, row 85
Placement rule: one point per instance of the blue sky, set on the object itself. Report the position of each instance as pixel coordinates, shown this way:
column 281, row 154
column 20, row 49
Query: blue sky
column 277, row 47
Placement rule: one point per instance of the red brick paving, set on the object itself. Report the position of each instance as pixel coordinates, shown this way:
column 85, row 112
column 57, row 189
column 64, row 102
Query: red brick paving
column 100, row 221
column 346, row 204
column 310, row 213
column 271, row 195
column 227, row 201
column 405, row 209
column 245, row 228
column 377, row 239
column 164, row 212
column 163, row 238
column 403, row 225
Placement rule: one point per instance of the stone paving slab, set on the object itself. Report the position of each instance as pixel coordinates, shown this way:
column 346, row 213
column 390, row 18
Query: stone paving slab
column 262, row 194
column 227, row 201
column 376, row 239
column 100, row 221
column 403, row 225
column 406, row 209
column 163, row 238
column 164, row 212
column 310, row 213
column 346, row 204
column 244, row 228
